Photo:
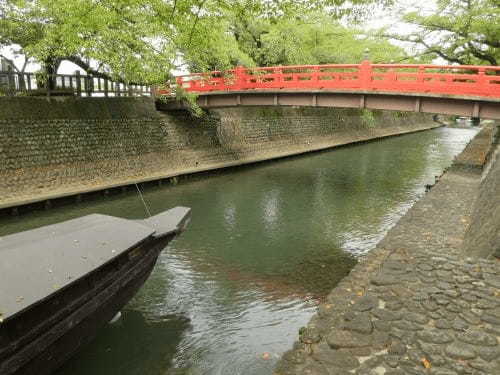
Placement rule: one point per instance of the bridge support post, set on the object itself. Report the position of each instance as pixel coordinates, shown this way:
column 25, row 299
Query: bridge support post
column 239, row 73
column 418, row 104
column 365, row 74
column 475, row 110
column 362, row 101
column 482, row 79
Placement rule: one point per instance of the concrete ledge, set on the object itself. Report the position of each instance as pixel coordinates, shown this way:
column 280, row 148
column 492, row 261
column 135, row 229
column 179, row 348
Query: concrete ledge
column 477, row 152
column 482, row 238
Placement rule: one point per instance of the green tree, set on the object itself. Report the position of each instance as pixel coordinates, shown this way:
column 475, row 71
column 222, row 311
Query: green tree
column 312, row 38
column 245, row 26
column 320, row 39
column 124, row 37
column 459, row 31
column 141, row 40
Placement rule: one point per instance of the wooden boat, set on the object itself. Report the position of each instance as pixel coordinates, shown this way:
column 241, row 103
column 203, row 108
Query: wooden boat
column 61, row 283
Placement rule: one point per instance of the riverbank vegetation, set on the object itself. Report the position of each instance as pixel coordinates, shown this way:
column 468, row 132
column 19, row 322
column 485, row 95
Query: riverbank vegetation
column 465, row 32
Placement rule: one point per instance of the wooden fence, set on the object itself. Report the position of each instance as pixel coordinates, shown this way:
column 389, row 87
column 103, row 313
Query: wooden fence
column 14, row 83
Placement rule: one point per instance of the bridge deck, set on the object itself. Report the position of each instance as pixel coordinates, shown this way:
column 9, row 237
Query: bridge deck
column 412, row 102
column 460, row 90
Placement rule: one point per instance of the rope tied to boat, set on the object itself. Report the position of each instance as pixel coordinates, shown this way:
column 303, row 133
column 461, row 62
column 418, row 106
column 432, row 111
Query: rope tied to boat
column 141, row 196
column 142, row 199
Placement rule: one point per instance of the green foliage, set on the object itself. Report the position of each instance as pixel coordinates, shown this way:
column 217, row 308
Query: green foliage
column 261, row 33
column 286, row 9
column 141, row 41
column 189, row 98
column 367, row 118
column 320, row 39
column 460, row 31
column 124, row 37
column 215, row 51
column 313, row 38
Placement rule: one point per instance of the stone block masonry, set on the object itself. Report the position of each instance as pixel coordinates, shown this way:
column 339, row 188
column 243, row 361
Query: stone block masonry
column 51, row 148
column 483, row 235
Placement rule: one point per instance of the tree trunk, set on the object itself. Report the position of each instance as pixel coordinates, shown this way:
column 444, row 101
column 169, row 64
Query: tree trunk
column 51, row 65
column 22, row 81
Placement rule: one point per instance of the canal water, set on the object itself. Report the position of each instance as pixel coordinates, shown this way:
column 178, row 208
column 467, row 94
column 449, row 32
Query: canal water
column 266, row 243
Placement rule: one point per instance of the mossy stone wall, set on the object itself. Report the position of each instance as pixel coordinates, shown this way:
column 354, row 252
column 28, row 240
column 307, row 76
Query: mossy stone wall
column 482, row 238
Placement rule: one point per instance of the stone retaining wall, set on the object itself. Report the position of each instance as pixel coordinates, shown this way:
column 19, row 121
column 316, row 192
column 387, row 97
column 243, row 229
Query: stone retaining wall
column 51, row 148
column 477, row 152
column 482, row 238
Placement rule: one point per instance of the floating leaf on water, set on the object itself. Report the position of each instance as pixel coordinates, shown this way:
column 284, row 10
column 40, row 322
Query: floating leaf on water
column 426, row 363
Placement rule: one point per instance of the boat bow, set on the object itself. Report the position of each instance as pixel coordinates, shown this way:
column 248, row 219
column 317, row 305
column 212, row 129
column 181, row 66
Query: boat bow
column 173, row 221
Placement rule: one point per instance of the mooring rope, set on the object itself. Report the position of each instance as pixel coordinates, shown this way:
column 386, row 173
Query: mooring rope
column 146, row 207
column 142, row 199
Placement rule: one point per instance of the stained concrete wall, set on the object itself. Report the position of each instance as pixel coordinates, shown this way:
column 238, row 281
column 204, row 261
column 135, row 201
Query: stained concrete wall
column 55, row 147
column 482, row 238
column 479, row 150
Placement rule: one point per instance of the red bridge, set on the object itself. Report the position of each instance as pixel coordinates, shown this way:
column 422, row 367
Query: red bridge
column 461, row 90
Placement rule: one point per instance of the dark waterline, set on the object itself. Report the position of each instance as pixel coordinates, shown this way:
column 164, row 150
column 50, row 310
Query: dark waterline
column 266, row 243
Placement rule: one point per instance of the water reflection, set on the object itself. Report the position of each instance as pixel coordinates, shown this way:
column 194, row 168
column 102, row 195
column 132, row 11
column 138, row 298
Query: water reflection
column 131, row 346
column 264, row 245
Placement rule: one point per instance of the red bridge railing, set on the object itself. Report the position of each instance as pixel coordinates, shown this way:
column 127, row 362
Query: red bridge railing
column 454, row 80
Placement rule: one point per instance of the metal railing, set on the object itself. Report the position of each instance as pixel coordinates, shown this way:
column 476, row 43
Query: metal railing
column 434, row 79
column 14, row 83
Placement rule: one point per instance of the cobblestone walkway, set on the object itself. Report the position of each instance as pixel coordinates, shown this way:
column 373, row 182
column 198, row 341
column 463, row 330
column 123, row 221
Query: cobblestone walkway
column 415, row 305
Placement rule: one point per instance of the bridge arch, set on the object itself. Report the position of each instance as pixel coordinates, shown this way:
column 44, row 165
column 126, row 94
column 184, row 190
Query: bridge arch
column 472, row 91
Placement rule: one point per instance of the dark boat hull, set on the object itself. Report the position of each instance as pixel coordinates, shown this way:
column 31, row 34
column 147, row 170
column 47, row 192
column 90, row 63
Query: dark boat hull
column 90, row 317
column 41, row 339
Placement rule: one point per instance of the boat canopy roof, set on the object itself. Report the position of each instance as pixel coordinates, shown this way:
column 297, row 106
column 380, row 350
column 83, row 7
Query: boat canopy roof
column 37, row 263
